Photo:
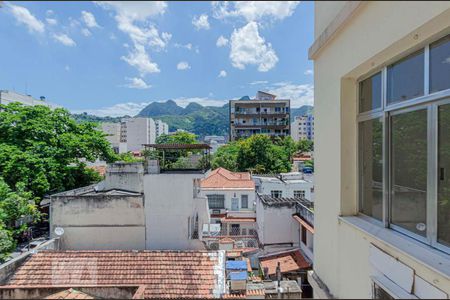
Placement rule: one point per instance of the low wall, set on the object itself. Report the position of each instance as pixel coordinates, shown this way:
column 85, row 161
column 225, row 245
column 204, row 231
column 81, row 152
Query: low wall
column 109, row 292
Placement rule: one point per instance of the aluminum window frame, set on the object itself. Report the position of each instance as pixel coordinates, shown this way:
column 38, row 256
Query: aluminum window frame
column 431, row 102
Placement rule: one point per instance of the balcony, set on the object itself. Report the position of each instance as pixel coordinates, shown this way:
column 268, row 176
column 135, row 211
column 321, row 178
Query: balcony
column 305, row 209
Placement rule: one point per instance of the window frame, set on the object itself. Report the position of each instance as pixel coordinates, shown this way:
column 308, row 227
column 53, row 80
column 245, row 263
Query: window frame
column 242, row 201
column 431, row 102
column 215, row 195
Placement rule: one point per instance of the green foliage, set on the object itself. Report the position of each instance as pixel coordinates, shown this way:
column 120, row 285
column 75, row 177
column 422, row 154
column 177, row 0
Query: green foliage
column 84, row 117
column 304, row 146
column 42, row 148
column 179, row 137
column 13, row 206
column 257, row 153
column 128, row 157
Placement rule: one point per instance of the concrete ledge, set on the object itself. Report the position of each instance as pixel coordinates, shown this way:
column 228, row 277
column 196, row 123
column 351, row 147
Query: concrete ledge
column 320, row 290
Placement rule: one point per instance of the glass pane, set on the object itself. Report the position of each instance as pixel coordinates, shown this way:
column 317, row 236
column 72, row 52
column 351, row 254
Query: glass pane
column 443, row 235
column 370, row 93
column 440, row 65
column 405, row 78
column 371, row 162
column 409, row 171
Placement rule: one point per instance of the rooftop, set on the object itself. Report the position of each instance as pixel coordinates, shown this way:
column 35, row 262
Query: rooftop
column 289, row 261
column 222, row 178
column 177, row 146
column 165, row 274
column 285, row 201
column 69, row 294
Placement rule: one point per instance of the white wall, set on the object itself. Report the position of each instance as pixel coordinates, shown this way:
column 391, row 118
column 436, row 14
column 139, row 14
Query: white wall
column 139, row 131
column 379, row 32
column 276, row 225
column 169, row 202
column 288, row 187
column 113, row 132
column 230, row 194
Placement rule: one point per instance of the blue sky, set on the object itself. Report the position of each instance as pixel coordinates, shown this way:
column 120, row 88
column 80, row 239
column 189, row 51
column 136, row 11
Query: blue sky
column 113, row 58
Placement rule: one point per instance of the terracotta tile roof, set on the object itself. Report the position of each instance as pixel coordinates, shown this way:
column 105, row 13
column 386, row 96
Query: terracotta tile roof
column 289, row 261
column 165, row 274
column 221, row 178
column 234, row 296
column 258, row 292
column 69, row 294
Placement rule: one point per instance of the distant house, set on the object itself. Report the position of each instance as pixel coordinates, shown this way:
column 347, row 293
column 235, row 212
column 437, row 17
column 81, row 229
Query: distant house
column 286, row 185
column 231, row 201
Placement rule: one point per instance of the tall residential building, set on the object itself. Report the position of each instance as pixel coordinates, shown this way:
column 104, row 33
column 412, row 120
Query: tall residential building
column 7, row 97
column 264, row 114
column 382, row 150
column 113, row 134
column 161, row 128
column 134, row 132
column 303, row 128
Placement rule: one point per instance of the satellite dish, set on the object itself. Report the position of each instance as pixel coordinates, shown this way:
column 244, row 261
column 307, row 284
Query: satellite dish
column 59, row 231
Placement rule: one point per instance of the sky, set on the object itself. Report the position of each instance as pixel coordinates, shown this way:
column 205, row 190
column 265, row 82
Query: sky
column 113, row 58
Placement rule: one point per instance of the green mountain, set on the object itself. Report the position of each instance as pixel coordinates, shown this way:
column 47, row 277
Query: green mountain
column 201, row 120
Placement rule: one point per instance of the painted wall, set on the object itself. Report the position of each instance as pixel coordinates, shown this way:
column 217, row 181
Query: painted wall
column 97, row 223
column 377, row 33
column 169, row 202
column 266, row 185
column 276, row 225
column 230, row 194
column 139, row 131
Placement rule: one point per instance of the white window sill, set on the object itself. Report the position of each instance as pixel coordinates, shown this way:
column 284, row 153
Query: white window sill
column 423, row 254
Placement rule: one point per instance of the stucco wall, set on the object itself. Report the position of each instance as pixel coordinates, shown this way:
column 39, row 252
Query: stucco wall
column 169, row 201
column 379, row 32
column 229, row 194
column 105, row 222
column 287, row 188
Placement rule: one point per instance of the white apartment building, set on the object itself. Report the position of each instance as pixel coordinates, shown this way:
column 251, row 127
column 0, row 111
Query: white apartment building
column 7, row 97
column 286, row 185
column 161, row 128
column 134, row 132
column 382, row 118
column 303, row 128
column 113, row 134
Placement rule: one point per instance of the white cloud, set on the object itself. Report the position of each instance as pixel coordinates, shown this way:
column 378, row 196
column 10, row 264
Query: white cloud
column 182, row 65
column 201, row 22
column 133, row 19
column 249, row 48
column 51, row 21
column 223, row 73
column 23, row 15
column 222, row 41
column 139, row 59
column 137, row 83
column 112, row 36
column 64, row 39
column 254, row 10
column 86, row 32
column 49, row 12
column 309, row 72
column 187, row 46
column 300, row 94
column 447, row 60
column 258, row 82
column 117, row 110
column 184, row 101
column 89, row 19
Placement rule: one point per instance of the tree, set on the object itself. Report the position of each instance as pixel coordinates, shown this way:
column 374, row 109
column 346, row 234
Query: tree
column 179, row 137
column 42, row 149
column 257, row 153
column 305, row 146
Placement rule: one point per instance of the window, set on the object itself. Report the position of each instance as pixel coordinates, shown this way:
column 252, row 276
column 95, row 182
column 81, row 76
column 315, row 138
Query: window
column 443, row 229
column 276, row 194
column 404, row 149
column 244, row 201
column 216, row 201
column 405, row 79
column 380, row 293
column 440, row 65
column 299, row 194
column 370, row 93
column 371, row 162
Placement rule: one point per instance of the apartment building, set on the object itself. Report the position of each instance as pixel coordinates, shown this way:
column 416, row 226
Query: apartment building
column 135, row 132
column 303, row 128
column 231, row 202
column 289, row 185
column 382, row 117
column 263, row 115
column 113, row 134
column 161, row 128
column 7, row 97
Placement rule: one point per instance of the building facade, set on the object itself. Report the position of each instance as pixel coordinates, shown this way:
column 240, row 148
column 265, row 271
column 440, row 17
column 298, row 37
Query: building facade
column 7, row 97
column 113, row 134
column 135, row 132
column 382, row 88
column 263, row 115
column 303, row 128
column 288, row 185
column 161, row 128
